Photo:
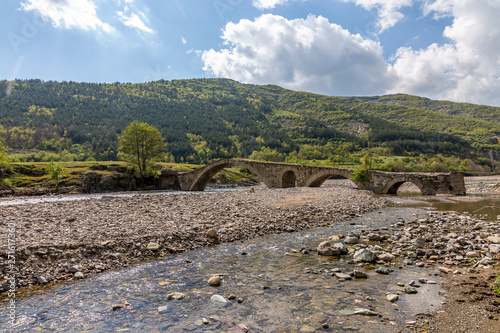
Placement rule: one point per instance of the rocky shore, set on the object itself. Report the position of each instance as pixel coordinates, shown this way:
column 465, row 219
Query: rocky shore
column 62, row 241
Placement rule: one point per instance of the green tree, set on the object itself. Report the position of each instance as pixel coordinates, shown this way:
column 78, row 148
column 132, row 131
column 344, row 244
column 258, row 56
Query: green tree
column 57, row 172
column 3, row 153
column 140, row 143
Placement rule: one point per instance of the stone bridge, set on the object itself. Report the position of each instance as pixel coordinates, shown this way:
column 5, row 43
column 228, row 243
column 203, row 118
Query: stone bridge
column 284, row 175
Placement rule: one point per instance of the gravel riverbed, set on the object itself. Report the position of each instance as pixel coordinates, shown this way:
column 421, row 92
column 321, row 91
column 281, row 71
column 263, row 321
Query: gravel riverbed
column 62, row 241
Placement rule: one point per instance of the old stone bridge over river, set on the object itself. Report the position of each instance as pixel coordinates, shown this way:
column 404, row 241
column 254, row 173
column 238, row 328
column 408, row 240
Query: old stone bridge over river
column 284, row 175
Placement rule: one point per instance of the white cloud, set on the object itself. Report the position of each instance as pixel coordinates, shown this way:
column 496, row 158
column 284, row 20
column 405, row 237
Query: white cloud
column 134, row 21
column 311, row 54
column 467, row 68
column 80, row 14
column 268, row 4
column 388, row 11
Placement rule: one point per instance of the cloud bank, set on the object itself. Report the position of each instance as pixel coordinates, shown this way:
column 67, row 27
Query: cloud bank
column 304, row 54
column 315, row 55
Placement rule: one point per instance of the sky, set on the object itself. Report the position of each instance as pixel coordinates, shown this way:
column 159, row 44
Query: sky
column 440, row 49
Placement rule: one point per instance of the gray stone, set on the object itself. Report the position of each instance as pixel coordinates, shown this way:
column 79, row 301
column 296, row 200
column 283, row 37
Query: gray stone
column 327, row 248
column 218, row 299
column 176, row 296
column 374, row 237
column 418, row 242
column 383, row 270
column 42, row 280
column 79, row 275
column 364, row 255
column 494, row 239
column 387, row 257
column 365, row 312
column 359, row 274
column 409, row 290
column 351, row 240
column 343, row 276
column 73, row 269
column 392, row 297
column 212, row 233
column 153, row 246
column 215, row 281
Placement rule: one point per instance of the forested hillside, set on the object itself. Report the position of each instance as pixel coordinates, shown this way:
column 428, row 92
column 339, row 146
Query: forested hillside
column 205, row 119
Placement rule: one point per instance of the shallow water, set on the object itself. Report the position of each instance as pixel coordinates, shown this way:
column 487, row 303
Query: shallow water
column 282, row 291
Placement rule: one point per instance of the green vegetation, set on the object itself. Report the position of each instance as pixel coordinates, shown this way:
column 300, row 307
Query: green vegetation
column 140, row 143
column 56, row 172
column 206, row 119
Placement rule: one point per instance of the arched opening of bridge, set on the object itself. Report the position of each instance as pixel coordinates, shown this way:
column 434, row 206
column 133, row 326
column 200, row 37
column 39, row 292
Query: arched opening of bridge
column 404, row 188
column 289, row 179
column 233, row 176
column 339, row 181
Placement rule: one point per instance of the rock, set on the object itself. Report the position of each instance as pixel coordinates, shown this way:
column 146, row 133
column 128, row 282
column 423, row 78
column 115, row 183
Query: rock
column 359, row 274
column 336, row 238
column 351, row 240
column 218, row 299
column 79, row 275
column 153, row 246
column 343, row 276
column 364, row 312
column 364, row 255
column 418, row 242
column 176, row 296
column 444, row 270
column 326, row 248
column 307, row 329
column 375, row 237
column 231, row 297
column 387, row 257
column 212, row 233
column 215, row 281
column 471, row 254
column 73, row 269
column 392, row 298
column 494, row 239
column 117, row 307
column 409, row 290
column 42, row 280
column 383, row 270
column 205, row 321
column 162, row 308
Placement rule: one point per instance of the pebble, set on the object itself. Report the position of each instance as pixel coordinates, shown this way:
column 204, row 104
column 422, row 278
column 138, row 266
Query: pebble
column 218, row 299
column 176, row 296
column 215, row 281
column 153, row 246
column 365, row 312
column 79, row 275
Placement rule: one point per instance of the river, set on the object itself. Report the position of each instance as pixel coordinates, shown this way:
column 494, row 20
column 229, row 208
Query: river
column 276, row 288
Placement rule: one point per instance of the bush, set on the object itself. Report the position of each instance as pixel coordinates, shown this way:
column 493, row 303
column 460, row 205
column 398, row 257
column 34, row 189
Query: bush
column 360, row 175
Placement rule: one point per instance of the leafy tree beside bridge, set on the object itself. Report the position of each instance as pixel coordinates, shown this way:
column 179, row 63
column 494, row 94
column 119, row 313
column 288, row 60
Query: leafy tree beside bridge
column 140, row 143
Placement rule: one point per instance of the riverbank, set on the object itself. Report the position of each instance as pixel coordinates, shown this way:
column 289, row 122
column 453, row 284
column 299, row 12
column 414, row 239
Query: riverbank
column 63, row 241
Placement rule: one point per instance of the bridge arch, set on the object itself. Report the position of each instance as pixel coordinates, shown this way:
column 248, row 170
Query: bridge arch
column 210, row 170
column 288, row 178
column 319, row 178
column 393, row 185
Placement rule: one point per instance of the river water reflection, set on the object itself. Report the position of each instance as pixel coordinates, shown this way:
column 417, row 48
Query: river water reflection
column 280, row 289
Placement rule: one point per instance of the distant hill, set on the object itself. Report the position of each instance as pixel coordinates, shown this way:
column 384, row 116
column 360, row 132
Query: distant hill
column 204, row 119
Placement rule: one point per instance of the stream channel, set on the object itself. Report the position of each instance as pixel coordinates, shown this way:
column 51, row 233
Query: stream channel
column 276, row 288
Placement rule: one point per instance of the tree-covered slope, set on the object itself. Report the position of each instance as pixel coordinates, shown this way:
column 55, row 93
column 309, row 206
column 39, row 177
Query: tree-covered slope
column 204, row 119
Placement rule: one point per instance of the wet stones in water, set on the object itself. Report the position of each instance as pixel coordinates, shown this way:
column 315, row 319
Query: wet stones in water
column 162, row 308
column 336, row 238
column 359, row 274
column 351, row 240
column 176, row 296
column 117, row 307
column 373, row 236
column 409, row 290
column 342, row 276
column 365, row 312
column 387, row 257
column 218, row 299
column 392, row 298
column 215, row 281
column 328, row 248
column 364, row 255
column 383, row 270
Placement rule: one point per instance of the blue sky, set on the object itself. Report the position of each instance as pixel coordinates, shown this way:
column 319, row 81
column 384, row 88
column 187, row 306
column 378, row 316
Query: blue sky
column 441, row 49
